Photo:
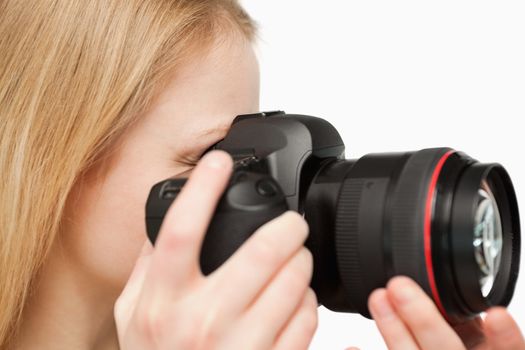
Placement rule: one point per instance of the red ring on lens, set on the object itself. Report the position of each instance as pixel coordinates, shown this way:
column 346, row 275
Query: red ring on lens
column 427, row 232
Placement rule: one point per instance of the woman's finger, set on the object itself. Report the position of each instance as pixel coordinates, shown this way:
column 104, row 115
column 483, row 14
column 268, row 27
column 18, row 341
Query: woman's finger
column 299, row 331
column 124, row 306
column 421, row 316
column 175, row 261
column 502, row 331
column 269, row 313
column 395, row 333
column 241, row 278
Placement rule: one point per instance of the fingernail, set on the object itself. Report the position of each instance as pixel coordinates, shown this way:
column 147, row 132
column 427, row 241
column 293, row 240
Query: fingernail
column 381, row 305
column 216, row 160
column 498, row 327
column 498, row 323
column 403, row 290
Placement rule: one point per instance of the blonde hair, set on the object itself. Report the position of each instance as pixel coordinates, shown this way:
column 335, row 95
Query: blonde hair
column 73, row 76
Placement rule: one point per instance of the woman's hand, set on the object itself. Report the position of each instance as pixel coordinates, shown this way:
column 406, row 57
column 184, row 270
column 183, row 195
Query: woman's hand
column 258, row 299
column 408, row 319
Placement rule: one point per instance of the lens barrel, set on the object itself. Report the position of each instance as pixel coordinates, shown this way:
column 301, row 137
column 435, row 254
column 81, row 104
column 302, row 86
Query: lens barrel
column 416, row 214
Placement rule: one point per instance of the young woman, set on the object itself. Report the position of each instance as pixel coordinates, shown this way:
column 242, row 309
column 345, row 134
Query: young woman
column 101, row 99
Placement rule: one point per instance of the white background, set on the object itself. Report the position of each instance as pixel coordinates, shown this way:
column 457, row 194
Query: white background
column 398, row 76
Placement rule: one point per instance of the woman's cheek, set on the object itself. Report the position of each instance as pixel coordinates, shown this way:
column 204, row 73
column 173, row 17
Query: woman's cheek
column 105, row 229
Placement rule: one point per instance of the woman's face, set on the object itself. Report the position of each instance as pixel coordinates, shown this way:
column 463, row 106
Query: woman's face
column 104, row 227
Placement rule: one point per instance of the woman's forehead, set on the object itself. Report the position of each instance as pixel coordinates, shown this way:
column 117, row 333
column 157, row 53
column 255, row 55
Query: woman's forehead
column 211, row 89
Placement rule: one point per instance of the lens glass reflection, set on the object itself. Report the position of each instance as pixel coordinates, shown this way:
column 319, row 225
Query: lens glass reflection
column 488, row 238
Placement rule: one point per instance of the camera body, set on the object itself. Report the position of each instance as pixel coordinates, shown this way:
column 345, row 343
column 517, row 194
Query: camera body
column 275, row 155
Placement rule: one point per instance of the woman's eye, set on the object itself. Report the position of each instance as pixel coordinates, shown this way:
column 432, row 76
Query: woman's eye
column 189, row 160
column 212, row 147
column 208, row 149
column 193, row 157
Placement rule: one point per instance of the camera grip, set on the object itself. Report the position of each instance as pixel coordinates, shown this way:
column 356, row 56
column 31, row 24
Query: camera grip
column 229, row 230
column 250, row 200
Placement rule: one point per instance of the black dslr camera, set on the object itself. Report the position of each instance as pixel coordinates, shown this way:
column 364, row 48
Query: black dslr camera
column 435, row 215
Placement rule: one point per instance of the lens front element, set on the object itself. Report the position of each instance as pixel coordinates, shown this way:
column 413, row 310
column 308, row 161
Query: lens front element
column 488, row 239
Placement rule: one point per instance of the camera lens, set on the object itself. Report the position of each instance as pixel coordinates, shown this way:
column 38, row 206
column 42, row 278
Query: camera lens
column 436, row 215
column 487, row 238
